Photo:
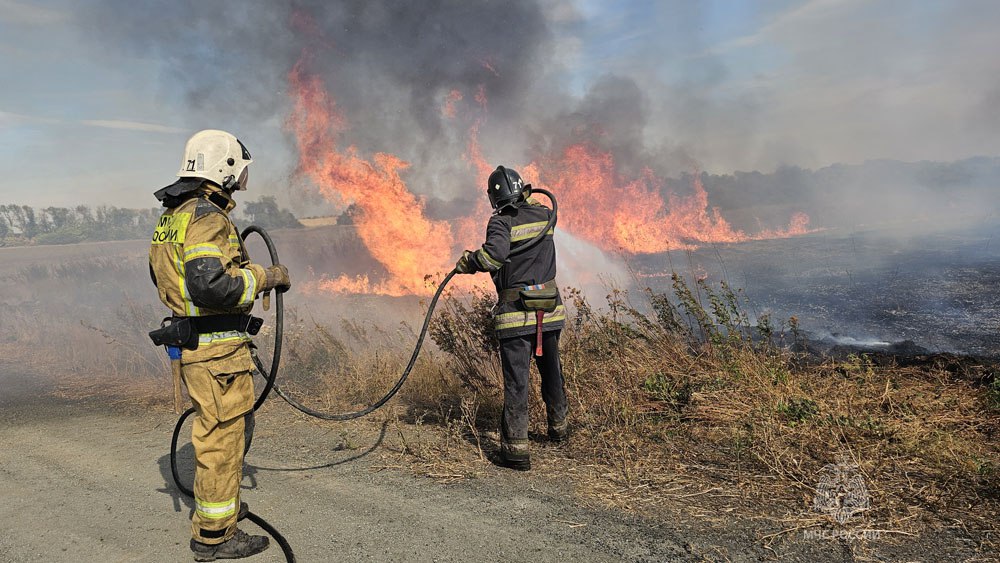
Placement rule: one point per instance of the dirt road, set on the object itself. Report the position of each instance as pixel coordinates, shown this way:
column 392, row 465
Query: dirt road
column 82, row 484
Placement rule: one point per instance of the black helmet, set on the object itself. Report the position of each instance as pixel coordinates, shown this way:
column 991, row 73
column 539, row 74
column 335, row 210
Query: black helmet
column 505, row 187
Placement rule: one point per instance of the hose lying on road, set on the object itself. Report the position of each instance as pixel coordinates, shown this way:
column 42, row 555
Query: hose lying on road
column 270, row 375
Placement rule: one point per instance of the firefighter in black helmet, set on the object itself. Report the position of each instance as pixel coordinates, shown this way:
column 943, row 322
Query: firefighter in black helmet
column 529, row 315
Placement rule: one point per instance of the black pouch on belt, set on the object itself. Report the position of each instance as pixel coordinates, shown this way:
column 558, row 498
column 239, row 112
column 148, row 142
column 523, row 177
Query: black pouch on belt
column 540, row 301
column 176, row 332
column 544, row 299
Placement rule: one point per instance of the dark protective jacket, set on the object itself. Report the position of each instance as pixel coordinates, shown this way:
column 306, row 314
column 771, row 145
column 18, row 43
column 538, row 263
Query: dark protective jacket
column 200, row 267
column 506, row 229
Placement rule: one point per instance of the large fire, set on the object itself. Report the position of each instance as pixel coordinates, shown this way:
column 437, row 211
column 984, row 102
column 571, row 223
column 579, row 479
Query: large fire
column 630, row 215
column 614, row 213
column 391, row 222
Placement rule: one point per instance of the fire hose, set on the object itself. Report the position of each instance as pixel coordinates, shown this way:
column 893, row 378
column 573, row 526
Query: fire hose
column 270, row 375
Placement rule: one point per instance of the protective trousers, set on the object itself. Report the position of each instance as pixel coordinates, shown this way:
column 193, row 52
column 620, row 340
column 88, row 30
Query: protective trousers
column 221, row 389
column 515, row 358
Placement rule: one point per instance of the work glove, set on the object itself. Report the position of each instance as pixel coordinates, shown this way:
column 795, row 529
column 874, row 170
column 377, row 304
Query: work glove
column 277, row 278
column 466, row 264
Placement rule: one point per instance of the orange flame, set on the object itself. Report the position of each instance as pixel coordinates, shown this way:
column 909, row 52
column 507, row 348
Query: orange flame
column 618, row 214
column 448, row 109
column 391, row 222
column 598, row 205
column 630, row 215
column 798, row 225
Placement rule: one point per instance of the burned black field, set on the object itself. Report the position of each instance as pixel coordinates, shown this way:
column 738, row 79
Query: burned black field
column 874, row 290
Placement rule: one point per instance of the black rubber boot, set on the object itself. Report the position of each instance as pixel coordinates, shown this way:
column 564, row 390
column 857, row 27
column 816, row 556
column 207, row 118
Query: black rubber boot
column 243, row 511
column 559, row 431
column 515, row 455
column 239, row 546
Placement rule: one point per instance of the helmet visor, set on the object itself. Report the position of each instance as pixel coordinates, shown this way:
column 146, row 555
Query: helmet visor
column 244, row 176
column 245, row 153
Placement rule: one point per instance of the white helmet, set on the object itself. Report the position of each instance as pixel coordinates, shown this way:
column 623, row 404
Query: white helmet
column 216, row 156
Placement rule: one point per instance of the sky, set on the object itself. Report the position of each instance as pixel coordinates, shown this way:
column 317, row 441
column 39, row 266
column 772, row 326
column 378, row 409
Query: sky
column 100, row 95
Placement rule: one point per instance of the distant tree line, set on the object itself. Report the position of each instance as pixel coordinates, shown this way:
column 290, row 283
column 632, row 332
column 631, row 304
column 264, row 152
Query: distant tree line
column 22, row 224
column 25, row 225
column 265, row 213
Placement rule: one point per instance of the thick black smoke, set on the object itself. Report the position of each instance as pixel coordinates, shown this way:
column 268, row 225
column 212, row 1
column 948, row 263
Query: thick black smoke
column 388, row 65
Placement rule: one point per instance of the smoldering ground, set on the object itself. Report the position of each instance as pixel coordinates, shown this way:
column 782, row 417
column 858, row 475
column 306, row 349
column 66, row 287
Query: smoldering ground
column 868, row 288
column 84, row 310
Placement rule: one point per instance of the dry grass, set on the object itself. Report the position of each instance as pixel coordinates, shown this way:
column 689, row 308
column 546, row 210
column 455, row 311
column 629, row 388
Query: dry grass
column 688, row 405
column 678, row 403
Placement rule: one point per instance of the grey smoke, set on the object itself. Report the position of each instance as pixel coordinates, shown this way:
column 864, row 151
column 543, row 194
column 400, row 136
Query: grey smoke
column 654, row 91
column 388, row 65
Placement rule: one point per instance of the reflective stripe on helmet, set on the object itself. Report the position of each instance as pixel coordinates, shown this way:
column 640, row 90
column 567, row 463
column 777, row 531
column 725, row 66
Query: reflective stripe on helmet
column 519, row 319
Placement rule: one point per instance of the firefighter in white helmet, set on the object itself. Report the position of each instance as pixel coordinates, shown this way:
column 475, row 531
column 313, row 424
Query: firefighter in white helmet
column 203, row 274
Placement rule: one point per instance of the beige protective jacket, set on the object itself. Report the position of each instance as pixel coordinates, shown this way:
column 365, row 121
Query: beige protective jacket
column 200, row 267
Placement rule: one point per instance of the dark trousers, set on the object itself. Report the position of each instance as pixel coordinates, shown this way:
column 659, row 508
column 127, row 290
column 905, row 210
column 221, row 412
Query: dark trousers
column 515, row 357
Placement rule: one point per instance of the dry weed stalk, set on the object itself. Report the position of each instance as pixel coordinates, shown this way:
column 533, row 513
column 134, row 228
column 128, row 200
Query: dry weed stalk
column 691, row 380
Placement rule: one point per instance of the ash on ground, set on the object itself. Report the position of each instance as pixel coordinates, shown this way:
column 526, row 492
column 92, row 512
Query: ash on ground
column 885, row 291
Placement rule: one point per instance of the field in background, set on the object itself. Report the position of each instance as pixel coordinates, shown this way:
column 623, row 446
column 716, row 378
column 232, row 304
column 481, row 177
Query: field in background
column 679, row 401
column 318, row 221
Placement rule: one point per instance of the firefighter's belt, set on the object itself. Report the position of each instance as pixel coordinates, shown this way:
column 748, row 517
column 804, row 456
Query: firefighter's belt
column 225, row 323
column 176, row 332
column 514, row 294
column 183, row 332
